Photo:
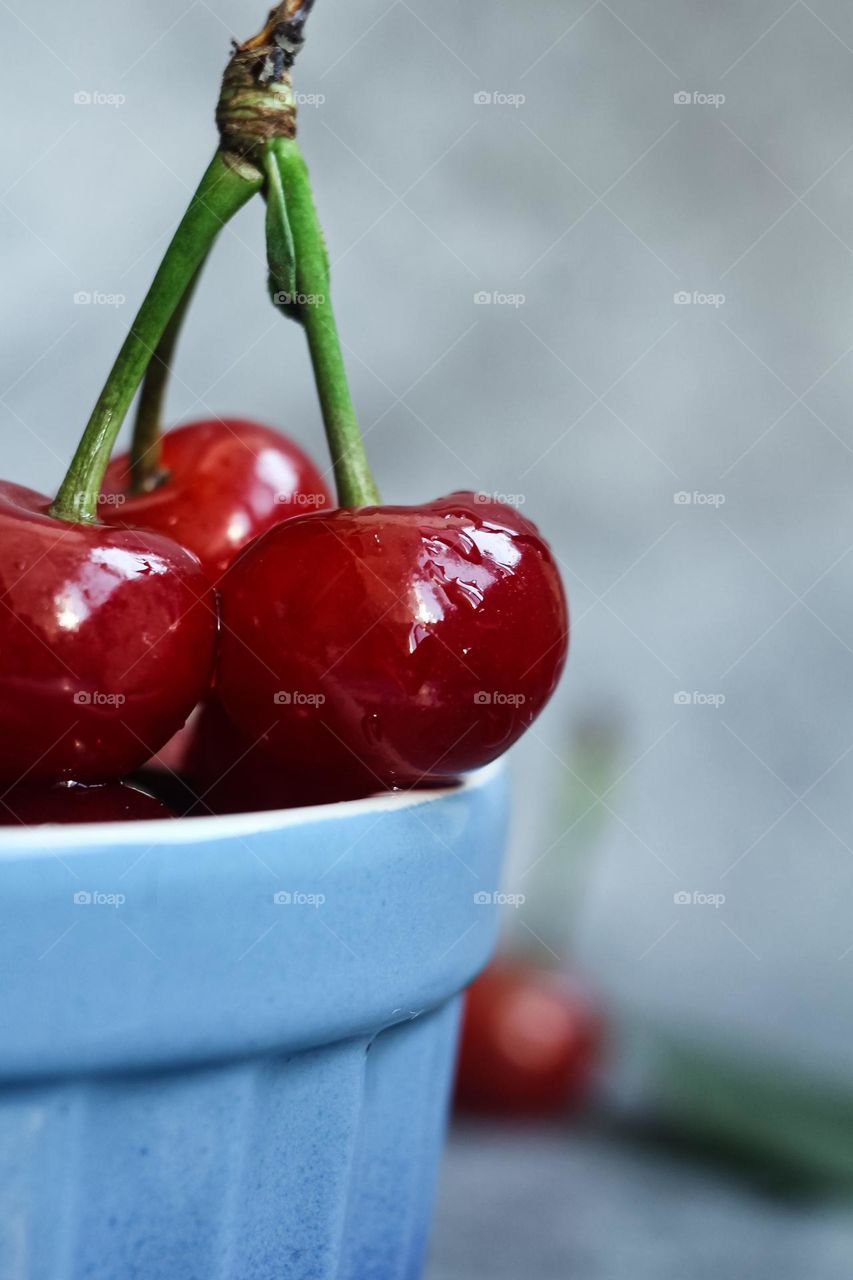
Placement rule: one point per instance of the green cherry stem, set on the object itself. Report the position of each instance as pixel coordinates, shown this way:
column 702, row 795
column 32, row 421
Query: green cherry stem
column 146, row 451
column 353, row 479
column 226, row 186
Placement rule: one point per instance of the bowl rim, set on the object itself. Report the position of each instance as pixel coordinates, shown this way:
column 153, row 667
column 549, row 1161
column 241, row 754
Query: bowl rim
column 48, row 838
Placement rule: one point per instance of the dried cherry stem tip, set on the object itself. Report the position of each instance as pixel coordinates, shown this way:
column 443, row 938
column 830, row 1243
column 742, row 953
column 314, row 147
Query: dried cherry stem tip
column 257, row 101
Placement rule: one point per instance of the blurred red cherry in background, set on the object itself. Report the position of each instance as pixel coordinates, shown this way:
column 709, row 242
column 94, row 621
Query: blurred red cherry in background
column 529, row 1045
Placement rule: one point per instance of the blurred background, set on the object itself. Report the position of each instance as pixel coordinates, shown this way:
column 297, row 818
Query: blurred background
column 596, row 257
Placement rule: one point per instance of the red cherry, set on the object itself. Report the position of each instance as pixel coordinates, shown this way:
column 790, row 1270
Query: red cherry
column 530, row 1041
column 225, row 481
column 74, row 802
column 392, row 645
column 107, row 641
column 223, row 773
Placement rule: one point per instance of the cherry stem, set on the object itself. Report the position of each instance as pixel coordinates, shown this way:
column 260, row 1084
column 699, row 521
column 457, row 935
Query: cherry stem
column 226, row 186
column 146, row 450
column 353, row 479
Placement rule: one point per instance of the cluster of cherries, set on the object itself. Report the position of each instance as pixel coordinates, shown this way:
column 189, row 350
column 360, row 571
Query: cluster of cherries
column 323, row 653
column 212, row 616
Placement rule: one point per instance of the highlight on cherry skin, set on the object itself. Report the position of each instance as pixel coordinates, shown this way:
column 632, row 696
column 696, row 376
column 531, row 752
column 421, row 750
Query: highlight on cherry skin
column 221, row 482
column 107, row 641
column 392, row 647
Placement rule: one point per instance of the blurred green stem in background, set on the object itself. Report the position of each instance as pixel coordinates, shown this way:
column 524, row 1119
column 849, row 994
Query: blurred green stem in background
column 785, row 1125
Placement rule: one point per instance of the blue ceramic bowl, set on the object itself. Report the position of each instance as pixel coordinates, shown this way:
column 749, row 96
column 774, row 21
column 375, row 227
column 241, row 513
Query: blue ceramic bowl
column 226, row 1043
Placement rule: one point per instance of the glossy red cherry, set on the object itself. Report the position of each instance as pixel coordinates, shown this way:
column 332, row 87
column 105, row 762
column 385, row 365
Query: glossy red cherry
column 107, row 641
column 224, row 482
column 75, row 802
column 392, row 645
column 530, row 1041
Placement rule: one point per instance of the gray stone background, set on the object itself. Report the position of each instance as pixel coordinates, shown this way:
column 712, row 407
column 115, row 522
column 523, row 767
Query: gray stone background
column 600, row 198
